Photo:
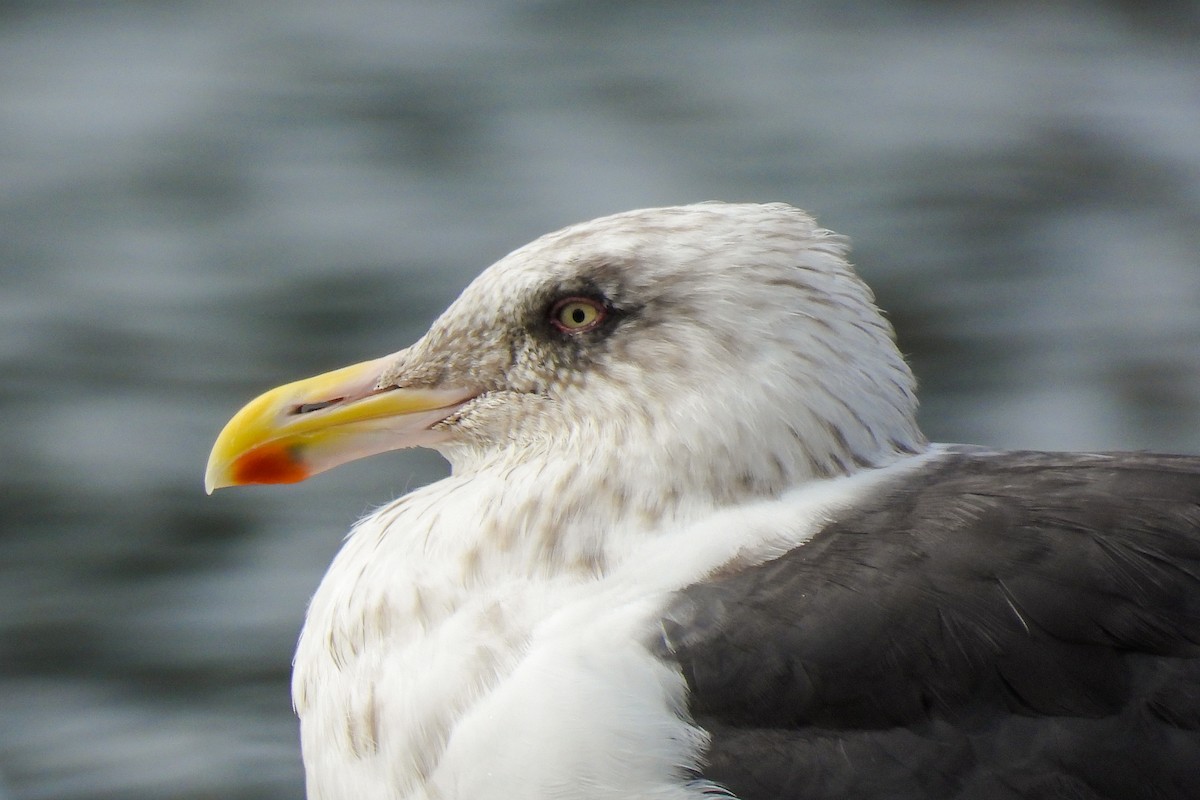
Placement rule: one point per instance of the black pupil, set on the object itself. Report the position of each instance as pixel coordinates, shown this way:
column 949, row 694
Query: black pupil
column 578, row 316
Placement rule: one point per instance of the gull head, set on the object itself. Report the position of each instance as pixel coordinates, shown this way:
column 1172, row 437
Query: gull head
column 729, row 346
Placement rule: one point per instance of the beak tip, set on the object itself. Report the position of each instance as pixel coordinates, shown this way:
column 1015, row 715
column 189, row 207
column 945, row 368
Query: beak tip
column 210, row 479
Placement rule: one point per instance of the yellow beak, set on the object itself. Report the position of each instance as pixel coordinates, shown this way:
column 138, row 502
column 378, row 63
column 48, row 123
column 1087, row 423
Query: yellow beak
column 293, row 432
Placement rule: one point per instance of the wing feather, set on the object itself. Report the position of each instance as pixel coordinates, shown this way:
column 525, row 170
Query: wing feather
column 999, row 625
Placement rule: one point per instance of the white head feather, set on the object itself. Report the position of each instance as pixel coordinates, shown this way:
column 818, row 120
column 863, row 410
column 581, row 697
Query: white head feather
column 745, row 356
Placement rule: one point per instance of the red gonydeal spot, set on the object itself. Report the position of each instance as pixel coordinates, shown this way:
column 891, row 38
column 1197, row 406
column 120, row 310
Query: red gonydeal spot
column 270, row 463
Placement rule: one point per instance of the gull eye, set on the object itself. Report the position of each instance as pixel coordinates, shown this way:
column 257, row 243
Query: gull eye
column 577, row 314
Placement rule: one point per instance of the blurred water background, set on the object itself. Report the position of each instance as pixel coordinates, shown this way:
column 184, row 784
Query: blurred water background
column 200, row 200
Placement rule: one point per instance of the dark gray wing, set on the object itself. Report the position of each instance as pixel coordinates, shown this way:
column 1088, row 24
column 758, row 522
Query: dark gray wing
column 999, row 625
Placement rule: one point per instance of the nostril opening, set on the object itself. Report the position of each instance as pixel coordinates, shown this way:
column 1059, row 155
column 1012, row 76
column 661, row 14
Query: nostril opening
column 306, row 408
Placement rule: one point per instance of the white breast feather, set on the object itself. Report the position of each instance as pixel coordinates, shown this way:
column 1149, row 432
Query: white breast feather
column 428, row 687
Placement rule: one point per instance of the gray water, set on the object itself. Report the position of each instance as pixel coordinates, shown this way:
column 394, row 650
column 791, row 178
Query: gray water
column 200, row 200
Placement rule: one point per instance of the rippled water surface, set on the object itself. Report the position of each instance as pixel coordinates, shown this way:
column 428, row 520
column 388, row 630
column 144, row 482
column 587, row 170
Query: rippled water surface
column 200, row 200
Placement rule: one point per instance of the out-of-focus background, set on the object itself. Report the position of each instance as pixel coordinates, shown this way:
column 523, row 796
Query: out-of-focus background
column 200, row 200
